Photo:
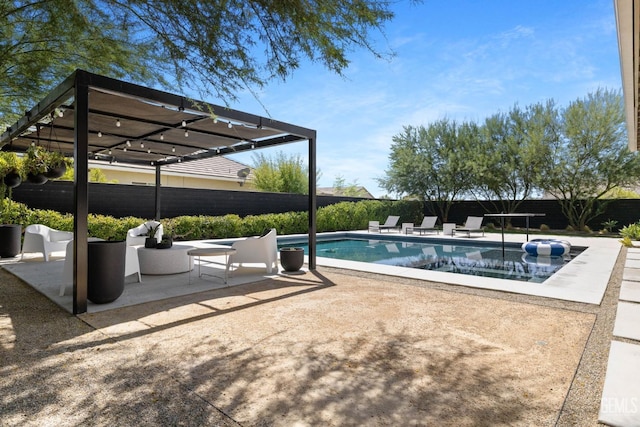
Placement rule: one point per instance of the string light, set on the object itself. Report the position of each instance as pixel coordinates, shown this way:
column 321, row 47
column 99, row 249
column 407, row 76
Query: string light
column 162, row 137
column 142, row 145
column 99, row 134
column 60, row 113
column 186, row 133
column 229, row 125
column 215, row 120
column 124, row 149
column 184, row 123
column 117, row 123
column 148, row 150
column 109, row 151
column 173, row 149
column 128, row 143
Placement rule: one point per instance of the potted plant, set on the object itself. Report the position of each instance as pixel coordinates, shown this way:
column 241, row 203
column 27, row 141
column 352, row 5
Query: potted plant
column 56, row 165
column 35, row 164
column 151, row 241
column 291, row 259
column 10, row 170
column 10, row 233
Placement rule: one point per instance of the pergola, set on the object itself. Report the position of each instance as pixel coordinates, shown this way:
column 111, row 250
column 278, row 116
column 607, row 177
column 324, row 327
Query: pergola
column 89, row 116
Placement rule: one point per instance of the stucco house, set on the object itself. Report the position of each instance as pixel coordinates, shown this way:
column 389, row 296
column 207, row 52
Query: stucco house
column 220, row 173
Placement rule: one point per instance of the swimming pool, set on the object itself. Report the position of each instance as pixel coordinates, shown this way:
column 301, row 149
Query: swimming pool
column 445, row 255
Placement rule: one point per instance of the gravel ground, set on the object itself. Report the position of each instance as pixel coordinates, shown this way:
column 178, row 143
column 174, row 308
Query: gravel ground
column 326, row 348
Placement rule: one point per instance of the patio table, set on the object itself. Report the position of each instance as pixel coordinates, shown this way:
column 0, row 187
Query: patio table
column 213, row 251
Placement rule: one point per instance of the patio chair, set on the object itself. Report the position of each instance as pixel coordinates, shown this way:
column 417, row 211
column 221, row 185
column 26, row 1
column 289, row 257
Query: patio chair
column 256, row 250
column 428, row 224
column 131, row 264
column 136, row 236
column 473, row 224
column 390, row 224
column 374, row 226
column 43, row 239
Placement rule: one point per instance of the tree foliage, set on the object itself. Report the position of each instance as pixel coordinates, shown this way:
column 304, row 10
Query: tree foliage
column 591, row 157
column 214, row 47
column 280, row 173
column 432, row 163
column 511, row 152
column 352, row 189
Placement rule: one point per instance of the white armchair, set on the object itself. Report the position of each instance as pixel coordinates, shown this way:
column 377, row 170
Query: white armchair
column 261, row 250
column 136, row 236
column 43, row 239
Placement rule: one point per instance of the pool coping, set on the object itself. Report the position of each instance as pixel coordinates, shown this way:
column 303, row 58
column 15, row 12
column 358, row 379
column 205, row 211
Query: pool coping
column 583, row 280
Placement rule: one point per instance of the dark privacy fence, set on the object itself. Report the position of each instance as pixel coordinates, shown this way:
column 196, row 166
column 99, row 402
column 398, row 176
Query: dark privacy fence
column 133, row 200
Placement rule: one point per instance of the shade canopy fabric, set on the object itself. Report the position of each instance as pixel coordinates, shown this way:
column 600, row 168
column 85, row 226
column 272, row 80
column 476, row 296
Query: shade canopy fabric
column 132, row 124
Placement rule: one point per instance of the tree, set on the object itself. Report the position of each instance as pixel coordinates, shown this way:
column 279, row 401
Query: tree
column 214, row 47
column 432, row 163
column 280, row 173
column 511, row 153
column 591, row 157
column 341, row 188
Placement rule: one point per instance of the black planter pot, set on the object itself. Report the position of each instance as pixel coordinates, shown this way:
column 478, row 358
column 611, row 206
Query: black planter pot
column 10, row 235
column 12, row 180
column 150, row 242
column 37, row 178
column 291, row 259
column 56, row 172
column 106, row 271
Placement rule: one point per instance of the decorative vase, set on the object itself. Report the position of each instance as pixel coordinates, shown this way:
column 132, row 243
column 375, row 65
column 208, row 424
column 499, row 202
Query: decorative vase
column 12, row 179
column 10, row 236
column 106, row 271
column 150, row 242
column 38, row 179
column 291, row 259
column 56, row 172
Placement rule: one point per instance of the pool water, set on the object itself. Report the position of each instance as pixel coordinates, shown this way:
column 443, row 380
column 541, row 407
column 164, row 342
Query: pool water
column 474, row 259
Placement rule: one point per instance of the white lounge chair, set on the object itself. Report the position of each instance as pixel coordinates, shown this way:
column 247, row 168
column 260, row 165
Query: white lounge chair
column 428, row 224
column 374, row 226
column 256, row 250
column 473, row 224
column 43, row 239
column 136, row 236
column 391, row 223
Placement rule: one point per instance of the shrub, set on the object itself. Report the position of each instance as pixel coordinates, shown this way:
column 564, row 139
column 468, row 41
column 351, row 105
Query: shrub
column 632, row 231
column 544, row 227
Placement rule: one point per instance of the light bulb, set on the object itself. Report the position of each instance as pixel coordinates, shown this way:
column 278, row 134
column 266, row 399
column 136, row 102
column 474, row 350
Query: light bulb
column 184, row 123
column 253, row 146
column 149, row 151
column 173, row 149
column 215, row 121
column 124, row 149
column 128, row 143
column 118, row 123
column 186, row 133
column 109, row 151
column 60, row 113
column 162, row 137
column 142, row 145
column 99, row 134
column 229, row 125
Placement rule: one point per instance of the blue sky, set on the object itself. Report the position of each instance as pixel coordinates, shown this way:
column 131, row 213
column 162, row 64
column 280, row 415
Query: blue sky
column 464, row 60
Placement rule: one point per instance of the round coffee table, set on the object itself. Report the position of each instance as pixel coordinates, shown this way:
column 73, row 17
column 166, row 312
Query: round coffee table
column 172, row 260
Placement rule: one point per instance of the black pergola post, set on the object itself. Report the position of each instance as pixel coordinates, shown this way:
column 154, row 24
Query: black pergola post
column 312, row 202
column 157, row 194
column 81, row 196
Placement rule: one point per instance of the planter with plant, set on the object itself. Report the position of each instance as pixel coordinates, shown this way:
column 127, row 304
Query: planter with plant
column 35, row 164
column 10, row 171
column 151, row 241
column 56, row 165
